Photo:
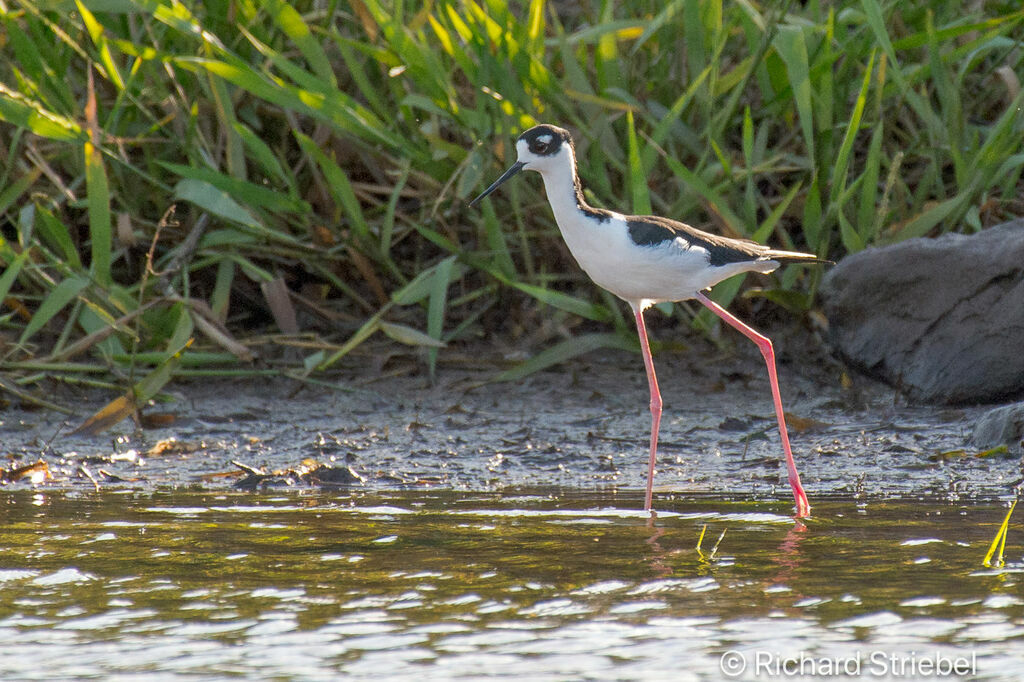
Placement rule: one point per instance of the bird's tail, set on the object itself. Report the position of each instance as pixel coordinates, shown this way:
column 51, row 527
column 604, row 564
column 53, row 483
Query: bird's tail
column 796, row 257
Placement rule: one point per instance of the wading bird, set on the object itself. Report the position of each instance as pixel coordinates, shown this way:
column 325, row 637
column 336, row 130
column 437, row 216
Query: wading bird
column 646, row 260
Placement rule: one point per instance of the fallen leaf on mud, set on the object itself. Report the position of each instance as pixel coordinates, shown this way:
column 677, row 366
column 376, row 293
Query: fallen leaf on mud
column 126, row 405
column 335, row 476
column 277, row 296
column 114, row 478
column 734, row 424
column 84, row 470
column 158, row 419
column 997, row 450
column 131, row 456
column 172, row 446
column 252, row 471
column 307, row 471
column 217, row 475
column 431, row 480
column 305, row 466
column 126, row 456
column 110, row 414
column 952, row 454
column 38, row 472
column 801, row 424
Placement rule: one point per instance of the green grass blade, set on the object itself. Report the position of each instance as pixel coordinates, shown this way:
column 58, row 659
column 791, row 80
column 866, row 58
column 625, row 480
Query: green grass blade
column 535, row 25
column 927, row 220
column 336, row 109
column 661, row 130
column 234, row 154
column 338, row 185
column 364, row 332
column 11, row 273
column 13, row 191
column 716, row 202
column 607, row 61
column 496, row 244
column 654, row 25
column 100, row 226
column 436, row 307
column 360, row 76
column 261, row 152
column 55, row 232
column 421, row 286
column 246, row 193
column 18, row 110
column 410, row 337
column 842, row 162
column 387, row 228
column 866, row 227
column 637, row 177
column 851, row 238
column 557, row 299
column 768, row 226
column 99, row 40
column 876, row 21
column 814, row 231
column 182, row 334
column 565, row 302
column 220, row 299
column 292, row 24
column 216, row 201
column 999, row 542
column 792, row 48
column 566, row 350
column 61, row 295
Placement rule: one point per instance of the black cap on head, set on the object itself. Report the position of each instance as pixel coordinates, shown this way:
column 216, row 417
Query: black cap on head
column 545, row 139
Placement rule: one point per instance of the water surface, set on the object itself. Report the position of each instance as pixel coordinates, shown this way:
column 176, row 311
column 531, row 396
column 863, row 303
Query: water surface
column 451, row 585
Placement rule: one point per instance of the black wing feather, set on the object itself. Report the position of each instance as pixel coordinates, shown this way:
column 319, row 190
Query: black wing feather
column 651, row 230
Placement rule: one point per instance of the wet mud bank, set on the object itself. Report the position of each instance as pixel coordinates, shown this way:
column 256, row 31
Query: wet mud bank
column 582, row 426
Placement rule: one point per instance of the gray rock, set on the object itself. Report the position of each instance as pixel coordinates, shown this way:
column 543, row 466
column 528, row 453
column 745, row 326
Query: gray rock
column 941, row 319
column 1001, row 426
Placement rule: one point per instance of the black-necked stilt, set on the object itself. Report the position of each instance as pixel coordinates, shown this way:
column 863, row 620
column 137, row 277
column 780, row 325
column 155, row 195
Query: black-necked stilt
column 646, row 260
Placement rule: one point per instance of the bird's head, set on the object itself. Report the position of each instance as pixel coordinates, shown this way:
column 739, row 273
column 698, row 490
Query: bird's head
column 542, row 148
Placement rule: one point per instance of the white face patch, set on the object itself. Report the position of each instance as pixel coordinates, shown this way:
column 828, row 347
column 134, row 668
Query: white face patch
column 542, row 150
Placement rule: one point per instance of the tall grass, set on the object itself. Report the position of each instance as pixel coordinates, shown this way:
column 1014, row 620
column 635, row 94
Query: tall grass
column 331, row 148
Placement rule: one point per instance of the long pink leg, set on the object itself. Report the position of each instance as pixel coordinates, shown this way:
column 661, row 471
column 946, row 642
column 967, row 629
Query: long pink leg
column 764, row 344
column 652, row 382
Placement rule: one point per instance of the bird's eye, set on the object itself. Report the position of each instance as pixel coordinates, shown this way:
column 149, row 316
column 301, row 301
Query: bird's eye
column 540, row 147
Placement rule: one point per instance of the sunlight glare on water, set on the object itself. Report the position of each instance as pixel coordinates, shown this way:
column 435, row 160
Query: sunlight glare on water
column 442, row 585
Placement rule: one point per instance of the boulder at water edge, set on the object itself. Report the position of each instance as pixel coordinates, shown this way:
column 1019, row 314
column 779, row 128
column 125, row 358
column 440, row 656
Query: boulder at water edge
column 1001, row 426
column 941, row 319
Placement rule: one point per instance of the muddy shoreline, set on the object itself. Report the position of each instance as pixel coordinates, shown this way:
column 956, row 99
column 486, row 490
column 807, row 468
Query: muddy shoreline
column 582, row 425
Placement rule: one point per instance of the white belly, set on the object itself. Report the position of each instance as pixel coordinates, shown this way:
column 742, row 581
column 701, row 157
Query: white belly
column 669, row 271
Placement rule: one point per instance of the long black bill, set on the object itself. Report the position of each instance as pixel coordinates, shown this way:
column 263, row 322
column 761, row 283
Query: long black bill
column 516, row 167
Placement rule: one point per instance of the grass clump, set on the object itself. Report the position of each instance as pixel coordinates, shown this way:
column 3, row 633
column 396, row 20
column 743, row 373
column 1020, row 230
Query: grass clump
column 319, row 156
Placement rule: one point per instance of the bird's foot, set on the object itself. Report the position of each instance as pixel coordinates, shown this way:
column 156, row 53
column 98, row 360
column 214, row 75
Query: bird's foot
column 803, row 505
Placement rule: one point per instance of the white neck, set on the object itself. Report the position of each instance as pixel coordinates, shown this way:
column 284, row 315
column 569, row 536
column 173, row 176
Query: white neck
column 560, row 185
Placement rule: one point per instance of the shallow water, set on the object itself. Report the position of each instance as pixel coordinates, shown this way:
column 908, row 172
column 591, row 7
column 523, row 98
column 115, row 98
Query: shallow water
column 450, row 585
